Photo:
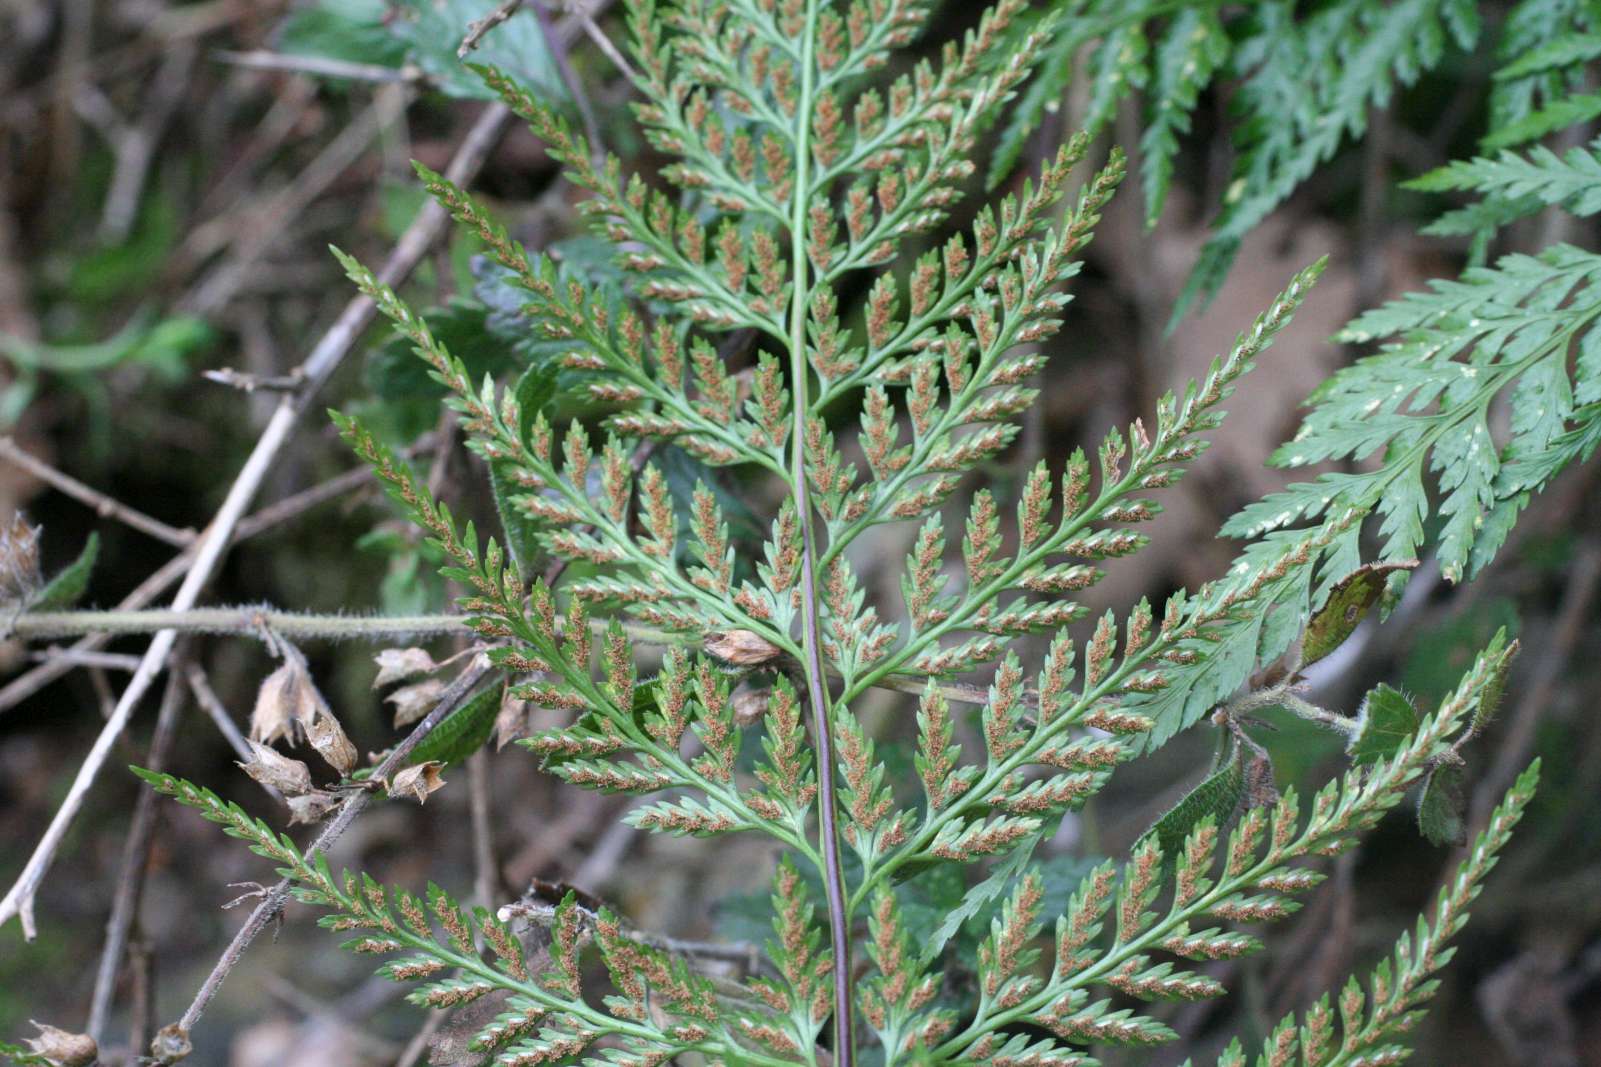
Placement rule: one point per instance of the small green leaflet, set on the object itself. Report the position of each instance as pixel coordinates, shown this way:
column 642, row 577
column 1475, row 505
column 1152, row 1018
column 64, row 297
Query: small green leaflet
column 1564, row 51
column 1495, row 688
column 1215, row 798
column 1441, row 804
column 1348, row 604
column 65, row 589
column 974, row 900
column 1384, row 723
column 20, row 1055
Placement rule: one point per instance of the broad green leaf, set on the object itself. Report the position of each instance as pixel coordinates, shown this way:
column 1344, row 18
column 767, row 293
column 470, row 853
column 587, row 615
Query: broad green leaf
column 1441, row 806
column 463, row 732
column 351, row 30
column 1216, row 798
column 427, row 33
column 69, row 585
column 1348, row 604
column 434, row 29
column 1384, row 723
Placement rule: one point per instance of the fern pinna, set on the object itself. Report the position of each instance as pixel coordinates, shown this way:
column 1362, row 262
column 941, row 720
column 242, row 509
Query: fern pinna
column 799, row 184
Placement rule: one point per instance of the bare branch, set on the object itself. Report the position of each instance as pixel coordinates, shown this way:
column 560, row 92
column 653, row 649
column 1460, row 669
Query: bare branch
column 318, row 367
column 103, row 505
column 323, row 67
column 135, row 855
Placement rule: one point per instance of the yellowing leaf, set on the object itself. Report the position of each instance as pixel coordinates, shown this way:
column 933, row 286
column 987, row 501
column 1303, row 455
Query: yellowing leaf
column 1348, row 604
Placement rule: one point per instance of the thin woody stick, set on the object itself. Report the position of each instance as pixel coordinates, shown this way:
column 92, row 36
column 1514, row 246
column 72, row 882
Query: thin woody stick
column 100, row 502
column 135, row 854
column 318, row 367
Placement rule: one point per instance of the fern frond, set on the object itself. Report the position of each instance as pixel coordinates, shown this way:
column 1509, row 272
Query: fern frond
column 1572, row 180
column 1252, row 878
column 1375, row 1023
column 1423, row 403
column 1329, row 69
column 1307, row 80
column 1194, row 47
column 745, row 334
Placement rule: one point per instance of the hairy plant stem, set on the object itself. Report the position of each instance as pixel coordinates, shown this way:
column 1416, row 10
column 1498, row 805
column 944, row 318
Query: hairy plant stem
column 811, row 636
column 303, row 626
column 236, row 620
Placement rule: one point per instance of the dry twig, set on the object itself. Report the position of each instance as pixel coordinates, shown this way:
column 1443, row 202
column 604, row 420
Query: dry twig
column 103, row 505
column 478, row 27
column 135, row 856
column 318, row 366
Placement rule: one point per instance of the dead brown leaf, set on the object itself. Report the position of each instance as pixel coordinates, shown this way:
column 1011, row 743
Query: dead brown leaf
column 328, row 738
column 285, row 704
column 395, row 664
column 417, row 781
column 268, row 766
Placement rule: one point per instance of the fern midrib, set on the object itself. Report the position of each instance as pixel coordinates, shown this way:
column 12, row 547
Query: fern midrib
column 811, row 637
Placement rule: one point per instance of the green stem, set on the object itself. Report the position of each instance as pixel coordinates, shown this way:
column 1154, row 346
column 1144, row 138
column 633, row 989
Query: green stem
column 811, row 637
